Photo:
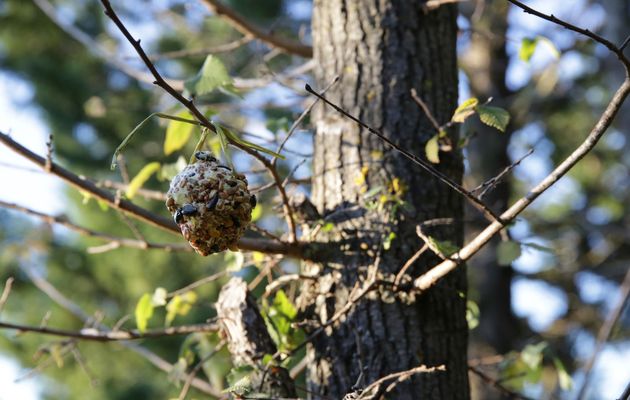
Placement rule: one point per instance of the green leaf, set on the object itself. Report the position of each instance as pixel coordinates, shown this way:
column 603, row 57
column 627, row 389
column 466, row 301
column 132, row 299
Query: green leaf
column 507, row 252
column 140, row 179
column 472, row 314
column 443, row 247
column 528, row 47
column 432, row 150
column 212, row 75
column 144, row 311
column 179, row 305
column 178, row 133
column 564, row 379
column 465, row 110
column 135, row 130
column 532, row 355
column 284, row 306
column 494, row 116
column 387, row 243
column 233, row 138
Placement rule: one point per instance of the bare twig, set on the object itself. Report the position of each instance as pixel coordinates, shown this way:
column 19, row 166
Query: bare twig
column 496, row 384
column 196, row 284
column 429, row 278
column 398, row 377
column 110, row 336
column 491, row 183
column 415, row 159
column 604, row 333
column 246, row 28
column 5, row 292
column 425, row 108
column 222, row 48
column 188, row 103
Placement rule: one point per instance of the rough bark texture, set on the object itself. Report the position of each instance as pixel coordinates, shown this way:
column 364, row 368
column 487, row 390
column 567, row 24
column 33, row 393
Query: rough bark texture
column 381, row 50
column 248, row 339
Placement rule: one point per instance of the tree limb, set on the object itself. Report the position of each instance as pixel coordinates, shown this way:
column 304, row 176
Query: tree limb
column 246, row 28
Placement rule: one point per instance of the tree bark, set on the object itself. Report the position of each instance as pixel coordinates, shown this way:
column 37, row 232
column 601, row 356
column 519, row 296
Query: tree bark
column 382, row 49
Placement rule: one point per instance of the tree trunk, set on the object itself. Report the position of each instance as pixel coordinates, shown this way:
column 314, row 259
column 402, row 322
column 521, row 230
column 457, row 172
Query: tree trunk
column 381, row 50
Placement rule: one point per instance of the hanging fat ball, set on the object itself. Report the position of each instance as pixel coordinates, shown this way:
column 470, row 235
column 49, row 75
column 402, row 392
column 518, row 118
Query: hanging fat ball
column 211, row 204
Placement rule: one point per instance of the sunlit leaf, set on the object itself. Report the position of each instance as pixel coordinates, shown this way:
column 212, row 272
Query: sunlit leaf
column 140, row 179
column 159, row 297
column 564, row 379
column 443, row 247
column 465, row 110
column 494, row 116
column 178, row 133
column 532, row 354
column 472, row 314
column 179, row 305
column 212, row 75
column 144, row 311
column 528, row 47
column 432, row 150
column 507, row 252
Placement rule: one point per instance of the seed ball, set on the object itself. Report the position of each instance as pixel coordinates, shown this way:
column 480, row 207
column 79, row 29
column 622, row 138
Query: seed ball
column 206, row 202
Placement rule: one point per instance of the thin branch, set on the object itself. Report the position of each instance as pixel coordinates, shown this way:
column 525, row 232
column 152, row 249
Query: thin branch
column 425, row 108
column 415, row 159
column 429, row 278
column 238, row 22
column 398, row 377
column 299, row 120
column 599, row 39
column 604, row 333
column 83, row 184
column 196, row 284
column 110, row 336
column 222, row 48
column 496, row 384
column 408, row 264
column 491, row 183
